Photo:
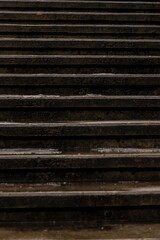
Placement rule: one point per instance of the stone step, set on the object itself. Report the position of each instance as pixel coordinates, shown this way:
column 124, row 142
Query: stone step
column 75, row 91
column 98, row 158
column 81, row 69
column 81, row 46
column 51, row 115
column 63, row 29
column 77, row 60
column 105, row 5
column 101, row 79
column 79, row 64
column 87, row 101
column 100, row 165
column 81, row 129
column 75, row 43
column 89, row 51
column 81, row 144
column 72, row 16
column 80, row 203
column 80, row 136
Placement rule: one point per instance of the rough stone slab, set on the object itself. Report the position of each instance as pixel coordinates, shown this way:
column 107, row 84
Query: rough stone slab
column 108, row 128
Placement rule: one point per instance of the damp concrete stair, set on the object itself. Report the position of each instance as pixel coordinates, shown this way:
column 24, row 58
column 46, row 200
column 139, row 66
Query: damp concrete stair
column 79, row 116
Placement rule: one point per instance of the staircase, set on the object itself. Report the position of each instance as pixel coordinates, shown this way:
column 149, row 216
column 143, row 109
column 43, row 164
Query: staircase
column 80, row 118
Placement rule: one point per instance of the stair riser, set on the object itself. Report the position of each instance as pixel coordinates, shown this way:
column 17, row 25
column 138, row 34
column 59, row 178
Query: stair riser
column 79, row 218
column 79, row 199
column 140, row 6
column 64, row 163
column 80, row 35
column 80, row 29
column 79, row 44
column 64, row 115
column 125, row 69
column 81, row 61
column 75, row 17
column 78, row 130
column 125, row 81
column 81, row 144
column 81, row 91
column 116, row 52
column 83, row 175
